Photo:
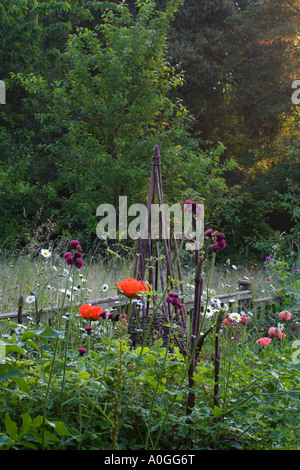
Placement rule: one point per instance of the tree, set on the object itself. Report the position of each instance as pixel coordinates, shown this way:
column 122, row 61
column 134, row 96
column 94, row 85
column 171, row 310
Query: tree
column 200, row 40
column 92, row 127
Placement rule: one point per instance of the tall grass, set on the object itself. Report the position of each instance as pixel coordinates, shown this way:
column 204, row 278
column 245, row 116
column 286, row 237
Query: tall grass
column 23, row 272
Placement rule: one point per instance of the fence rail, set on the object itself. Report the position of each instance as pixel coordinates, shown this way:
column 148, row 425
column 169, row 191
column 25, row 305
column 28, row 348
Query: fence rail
column 243, row 297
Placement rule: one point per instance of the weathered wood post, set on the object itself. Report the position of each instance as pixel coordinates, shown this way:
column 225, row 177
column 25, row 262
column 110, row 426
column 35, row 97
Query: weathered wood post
column 246, row 304
column 20, row 309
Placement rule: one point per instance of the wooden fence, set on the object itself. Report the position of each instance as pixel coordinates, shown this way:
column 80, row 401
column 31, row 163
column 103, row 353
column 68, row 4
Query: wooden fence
column 244, row 298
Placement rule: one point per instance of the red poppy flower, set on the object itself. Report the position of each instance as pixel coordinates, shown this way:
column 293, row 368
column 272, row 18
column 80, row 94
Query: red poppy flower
column 90, row 312
column 131, row 287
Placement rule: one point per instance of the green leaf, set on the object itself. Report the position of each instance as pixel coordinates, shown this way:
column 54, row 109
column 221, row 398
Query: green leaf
column 21, row 383
column 48, row 332
column 29, row 342
column 217, row 411
column 7, row 371
column 183, row 430
column 5, row 440
column 26, row 423
column 37, row 422
column 60, row 428
column 14, row 348
column 11, row 427
column 49, row 437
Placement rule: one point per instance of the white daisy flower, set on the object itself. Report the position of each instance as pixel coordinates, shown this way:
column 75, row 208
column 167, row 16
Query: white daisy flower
column 6, row 336
column 30, row 299
column 210, row 311
column 235, row 317
column 19, row 329
column 233, row 266
column 104, row 288
column 67, row 292
column 216, row 302
column 45, row 253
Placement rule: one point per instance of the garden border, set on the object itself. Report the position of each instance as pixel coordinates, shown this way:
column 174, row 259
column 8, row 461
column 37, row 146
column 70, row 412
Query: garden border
column 244, row 297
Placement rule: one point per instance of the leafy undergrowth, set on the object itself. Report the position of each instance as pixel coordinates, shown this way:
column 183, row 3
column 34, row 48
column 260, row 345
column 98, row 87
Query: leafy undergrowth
column 114, row 396
column 73, row 381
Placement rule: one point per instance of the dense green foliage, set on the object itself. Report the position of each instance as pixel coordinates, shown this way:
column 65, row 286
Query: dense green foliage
column 90, row 90
column 94, row 104
column 240, row 59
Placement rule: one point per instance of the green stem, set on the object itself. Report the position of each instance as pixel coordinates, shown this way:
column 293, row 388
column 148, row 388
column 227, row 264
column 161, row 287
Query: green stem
column 82, row 437
column 67, row 336
column 52, row 369
column 210, row 274
column 155, row 307
column 157, row 386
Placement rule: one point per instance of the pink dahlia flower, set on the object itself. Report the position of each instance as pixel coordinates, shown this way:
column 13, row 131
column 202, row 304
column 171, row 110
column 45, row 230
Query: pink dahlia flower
column 286, row 316
column 264, row 341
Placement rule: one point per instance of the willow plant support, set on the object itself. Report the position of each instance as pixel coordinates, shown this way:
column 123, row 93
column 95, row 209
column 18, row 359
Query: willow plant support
column 151, row 257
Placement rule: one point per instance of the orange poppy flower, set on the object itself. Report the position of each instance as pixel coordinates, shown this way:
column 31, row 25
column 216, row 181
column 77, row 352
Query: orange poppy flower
column 131, row 287
column 90, row 312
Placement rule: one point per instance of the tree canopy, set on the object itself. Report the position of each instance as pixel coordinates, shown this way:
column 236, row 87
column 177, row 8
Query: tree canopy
column 92, row 87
